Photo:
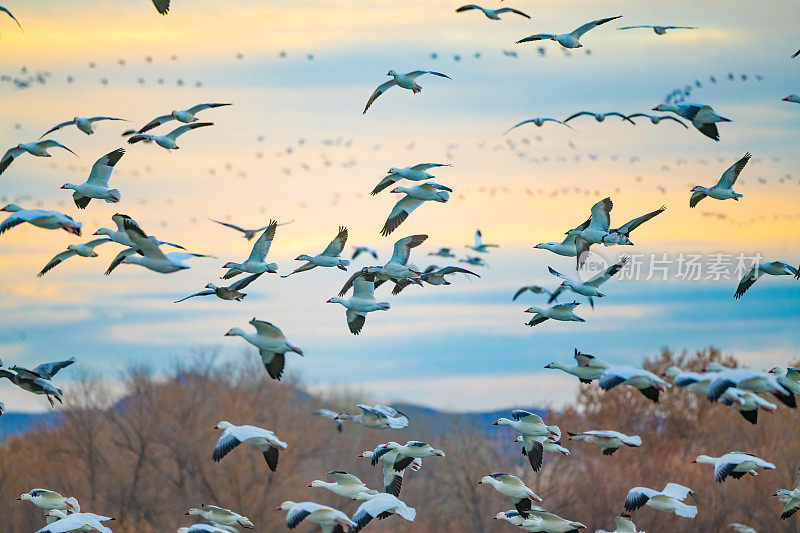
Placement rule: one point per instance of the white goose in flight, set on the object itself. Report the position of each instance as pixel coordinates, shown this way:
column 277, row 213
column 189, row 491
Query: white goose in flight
column 220, row 516
column 394, row 468
column 38, row 148
column 723, row 189
column 168, row 141
column 187, row 116
column 590, row 288
column 39, row 218
column 791, row 498
column 120, row 237
column 564, row 248
column 231, row 292
column 659, row 30
column 60, row 522
column 753, row 380
column 404, row 81
column 256, row 262
column 621, row 235
column 86, row 125
column 493, row 14
column 734, row 464
column 414, row 197
column 746, row 403
column 262, row 439
column 571, row 39
column 376, row 416
column 146, row 252
column 344, row 484
column 608, row 440
column 512, row 487
column 587, row 369
column 272, row 345
column 538, row 122
column 7, row 12
column 96, row 186
column 648, row 383
column 702, row 117
column 380, row 505
column 82, row 250
column 397, row 269
column 669, row 500
column 248, row 234
column 330, row 257
column 560, row 312
column 479, row 245
column 544, row 521
column 534, row 447
column 793, row 98
column 654, row 119
column 50, row 499
column 331, row 520
column 418, row 172
column 529, row 424
column 595, row 232
column 362, row 302
column 774, row 268
column 599, row 117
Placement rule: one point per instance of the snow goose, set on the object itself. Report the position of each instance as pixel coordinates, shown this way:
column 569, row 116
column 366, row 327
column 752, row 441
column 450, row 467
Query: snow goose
column 38, row 148
column 44, row 370
column 657, row 119
column 39, row 218
column 747, row 403
column 535, row 289
column 608, row 440
column 741, row 528
column 669, row 500
column 734, row 464
column 701, row 116
column 433, row 276
column 694, row 381
column 7, row 12
column 396, row 269
column 534, row 447
column 659, row 30
column 38, row 386
column 330, row 415
column 50, row 500
column 749, row 379
column 248, row 234
column 96, row 186
column 792, row 98
column 220, row 516
column 621, row 235
column 443, row 252
column 406, row 453
column 231, row 292
column 262, row 439
column 564, row 248
column 514, row 488
column 774, row 268
column 479, row 245
column 256, row 261
column 529, row 424
column 272, row 345
column 168, row 141
column 648, row 383
column 83, row 124
column 362, row 302
column 187, row 116
column 571, row 39
column 789, row 378
column 587, row 369
column 328, row 258
column 791, row 498
column 162, row 6
column 511, row 516
column 493, row 14
column 404, row 81
column 417, row 172
column 595, row 232
column 591, row 288
column 376, row 416
column 474, row 261
column 624, row 525
column 414, row 197
column 146, row 253
column 344, row 484
column 83, row 250
column 63, row 522
column 722, row 190
column 552, row 523
column 331, row 520
column 380, row 505
column 599, row 117
column 364, row 250
column 393, row 477
column 119, row 235
column 538, row 122
column 561, row 312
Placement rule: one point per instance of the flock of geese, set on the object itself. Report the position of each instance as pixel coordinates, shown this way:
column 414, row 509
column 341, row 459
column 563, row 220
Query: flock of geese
column 739, row 388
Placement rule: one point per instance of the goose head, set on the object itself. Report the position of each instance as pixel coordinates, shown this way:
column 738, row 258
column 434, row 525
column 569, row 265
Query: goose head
column 303, row 257
column 335, row 300
column 211, row 286
column 69, row 186
column 223, row 425
column 391, row 73
column 285, row 506
column 11, row 208
column 103, row 231
column 235, row 332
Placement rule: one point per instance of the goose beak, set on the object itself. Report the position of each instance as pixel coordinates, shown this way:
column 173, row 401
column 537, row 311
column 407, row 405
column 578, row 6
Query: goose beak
column 309, row 485
column 330, row 301
column 548, row 365
column 654, row 109
column 495, row 424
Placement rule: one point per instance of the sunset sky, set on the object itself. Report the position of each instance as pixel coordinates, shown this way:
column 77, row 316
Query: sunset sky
column 295, row 146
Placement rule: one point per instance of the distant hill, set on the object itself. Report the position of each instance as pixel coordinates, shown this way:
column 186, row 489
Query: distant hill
column 18, row 423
